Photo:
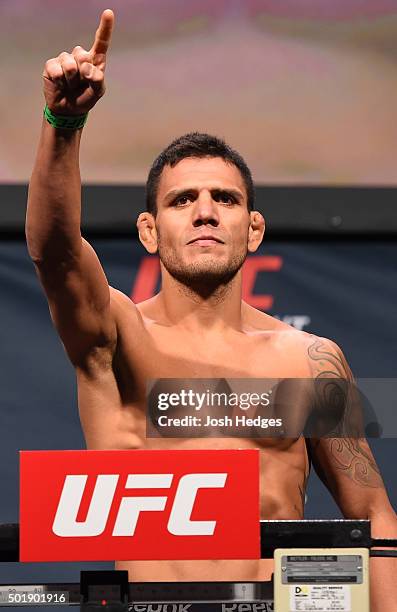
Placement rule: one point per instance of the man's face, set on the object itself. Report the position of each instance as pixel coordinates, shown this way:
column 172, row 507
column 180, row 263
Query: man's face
column 202, row 220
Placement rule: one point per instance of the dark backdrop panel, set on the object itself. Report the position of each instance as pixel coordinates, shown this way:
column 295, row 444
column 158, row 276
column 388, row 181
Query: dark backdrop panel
column 343, row 290
column 289, row 210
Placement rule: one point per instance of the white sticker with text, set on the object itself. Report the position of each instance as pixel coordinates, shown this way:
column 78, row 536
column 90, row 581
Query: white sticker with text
column 320, row 598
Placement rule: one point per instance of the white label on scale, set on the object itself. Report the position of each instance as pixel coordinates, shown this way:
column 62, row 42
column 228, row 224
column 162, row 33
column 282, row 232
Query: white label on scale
column 320, row 598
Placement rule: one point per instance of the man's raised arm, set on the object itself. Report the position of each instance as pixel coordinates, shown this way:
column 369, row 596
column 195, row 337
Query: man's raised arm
column 69, row 270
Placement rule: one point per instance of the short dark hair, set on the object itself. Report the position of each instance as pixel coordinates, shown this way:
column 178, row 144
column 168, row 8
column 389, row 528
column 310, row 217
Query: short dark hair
column 195, row 144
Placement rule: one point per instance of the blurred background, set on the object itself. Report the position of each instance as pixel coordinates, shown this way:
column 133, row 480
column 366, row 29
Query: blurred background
column 305, row 90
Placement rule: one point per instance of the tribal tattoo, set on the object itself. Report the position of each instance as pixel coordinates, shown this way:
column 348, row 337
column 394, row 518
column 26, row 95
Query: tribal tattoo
column 335, row 390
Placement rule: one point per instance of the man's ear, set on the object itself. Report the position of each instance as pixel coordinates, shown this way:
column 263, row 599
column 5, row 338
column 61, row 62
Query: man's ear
column 256, row 230
column 147, row 231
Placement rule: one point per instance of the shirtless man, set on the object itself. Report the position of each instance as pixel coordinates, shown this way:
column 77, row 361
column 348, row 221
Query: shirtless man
column 200, row 221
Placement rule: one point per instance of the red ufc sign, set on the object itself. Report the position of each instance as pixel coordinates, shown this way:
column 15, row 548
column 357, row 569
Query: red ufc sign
column 139, row 504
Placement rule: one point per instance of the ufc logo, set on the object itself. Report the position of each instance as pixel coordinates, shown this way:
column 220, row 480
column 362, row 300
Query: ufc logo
column 91, row 505
column 179, row 524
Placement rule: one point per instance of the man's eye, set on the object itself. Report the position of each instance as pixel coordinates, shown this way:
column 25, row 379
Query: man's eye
column 182, row 200
column 224, row 197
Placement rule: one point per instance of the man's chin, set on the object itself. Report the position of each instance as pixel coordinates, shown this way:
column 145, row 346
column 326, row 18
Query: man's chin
column 201, row 274
column 203, row 270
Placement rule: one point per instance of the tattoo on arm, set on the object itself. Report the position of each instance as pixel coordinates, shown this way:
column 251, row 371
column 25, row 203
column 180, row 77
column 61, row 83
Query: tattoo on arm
column 350, row 455
column 328, row 364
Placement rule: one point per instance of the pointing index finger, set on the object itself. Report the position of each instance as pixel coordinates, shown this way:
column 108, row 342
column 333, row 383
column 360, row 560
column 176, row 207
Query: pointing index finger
column 103, row 33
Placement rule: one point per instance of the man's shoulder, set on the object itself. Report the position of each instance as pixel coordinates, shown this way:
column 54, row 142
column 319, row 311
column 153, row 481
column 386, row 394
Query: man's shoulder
column 127, row 313
column 265, row 322
column 122, row 306
column 315, row 347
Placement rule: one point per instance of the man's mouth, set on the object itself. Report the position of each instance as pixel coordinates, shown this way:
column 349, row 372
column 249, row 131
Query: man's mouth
column 205, row 240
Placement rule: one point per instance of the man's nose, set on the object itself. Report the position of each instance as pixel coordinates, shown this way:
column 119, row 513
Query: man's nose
column 205, row 210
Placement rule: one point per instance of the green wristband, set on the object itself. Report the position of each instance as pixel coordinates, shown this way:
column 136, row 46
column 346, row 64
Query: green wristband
column 65, row 122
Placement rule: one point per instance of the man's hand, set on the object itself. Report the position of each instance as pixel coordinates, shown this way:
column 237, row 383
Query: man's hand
column 74, row 82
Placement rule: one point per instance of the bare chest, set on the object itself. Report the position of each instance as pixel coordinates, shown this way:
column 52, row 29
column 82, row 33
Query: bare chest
column 158, row 352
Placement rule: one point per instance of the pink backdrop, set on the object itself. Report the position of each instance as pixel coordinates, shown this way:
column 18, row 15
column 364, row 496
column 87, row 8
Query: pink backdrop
column 306, row 90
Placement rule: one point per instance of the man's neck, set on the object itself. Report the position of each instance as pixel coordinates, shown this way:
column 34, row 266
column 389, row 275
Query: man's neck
column 199, row 310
